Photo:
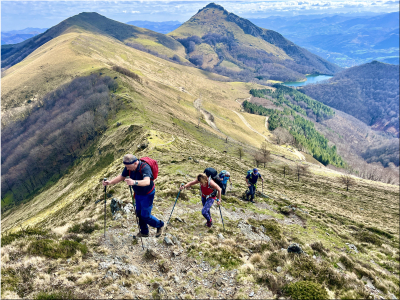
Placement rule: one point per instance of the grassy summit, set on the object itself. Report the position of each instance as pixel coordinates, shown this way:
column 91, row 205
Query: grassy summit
column 225, row 40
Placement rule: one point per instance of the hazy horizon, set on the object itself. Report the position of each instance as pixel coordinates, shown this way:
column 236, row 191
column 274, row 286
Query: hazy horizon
column 18, row 15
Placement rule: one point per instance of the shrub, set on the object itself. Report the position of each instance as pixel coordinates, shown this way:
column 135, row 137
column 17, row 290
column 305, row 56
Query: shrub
column 365, row 236
column 319, row 247
column 306, row 290
column 54, row 249
column 128, row 73
column 8, row 237
column 86, row 227
column 347, row 262
column 275, row 284
column 277, row 259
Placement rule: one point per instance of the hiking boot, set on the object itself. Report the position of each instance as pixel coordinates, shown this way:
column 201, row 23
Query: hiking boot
column 160, row 231
column 209, row 223
column 141, row 235
column 252, row 201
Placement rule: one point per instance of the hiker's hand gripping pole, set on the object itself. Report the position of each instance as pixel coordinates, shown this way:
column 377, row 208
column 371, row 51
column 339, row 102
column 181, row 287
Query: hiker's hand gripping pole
column 134, row 206
column 180, row 188
column 105, row 207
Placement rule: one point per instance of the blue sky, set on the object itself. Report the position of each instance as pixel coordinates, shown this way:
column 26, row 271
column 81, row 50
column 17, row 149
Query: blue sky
column 44, row 14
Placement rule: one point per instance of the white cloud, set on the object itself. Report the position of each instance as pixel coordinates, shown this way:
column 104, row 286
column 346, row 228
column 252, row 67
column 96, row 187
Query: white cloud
column 135, row 12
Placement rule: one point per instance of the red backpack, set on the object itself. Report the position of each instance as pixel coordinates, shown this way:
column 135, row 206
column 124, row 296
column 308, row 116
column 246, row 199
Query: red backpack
column 153, row 166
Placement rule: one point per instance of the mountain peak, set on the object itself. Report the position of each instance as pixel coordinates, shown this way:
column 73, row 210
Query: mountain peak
column 215, row 6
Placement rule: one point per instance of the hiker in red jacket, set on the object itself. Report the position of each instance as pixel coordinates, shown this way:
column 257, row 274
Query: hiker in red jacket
column 138, row 174
column 209, row 191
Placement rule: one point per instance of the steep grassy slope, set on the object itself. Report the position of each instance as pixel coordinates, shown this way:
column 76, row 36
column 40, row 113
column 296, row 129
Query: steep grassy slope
column 93, row 22
column 64, row 259
column 227, row 41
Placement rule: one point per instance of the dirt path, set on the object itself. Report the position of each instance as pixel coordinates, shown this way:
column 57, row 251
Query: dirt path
column 249, row 126
column 207, row 115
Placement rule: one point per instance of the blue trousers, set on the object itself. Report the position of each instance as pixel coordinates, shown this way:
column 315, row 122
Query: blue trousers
column 251, row 192
column 206, row 207
column 144, row 205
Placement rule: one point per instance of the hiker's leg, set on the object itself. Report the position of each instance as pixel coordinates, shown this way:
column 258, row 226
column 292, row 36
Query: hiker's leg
column 144, row 229
column 223, row 189
column 206, row 209
column 145, row 213
column 252, row 191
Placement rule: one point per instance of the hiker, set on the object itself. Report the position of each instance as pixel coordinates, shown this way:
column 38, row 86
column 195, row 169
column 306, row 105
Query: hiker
column 208, row 195
column 251, row 180
column 138, row 174
column 225, row 176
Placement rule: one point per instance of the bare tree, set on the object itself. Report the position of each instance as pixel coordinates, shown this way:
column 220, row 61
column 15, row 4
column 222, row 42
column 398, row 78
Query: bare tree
column 286, row 170
column 240, row 152
column 258, row 158
column 265, row 154
column 348, row 181
column 283, row 136
column 301, row 170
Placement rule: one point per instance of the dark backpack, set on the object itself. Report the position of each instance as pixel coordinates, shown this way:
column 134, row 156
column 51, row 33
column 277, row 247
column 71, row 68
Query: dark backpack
column 213, row 174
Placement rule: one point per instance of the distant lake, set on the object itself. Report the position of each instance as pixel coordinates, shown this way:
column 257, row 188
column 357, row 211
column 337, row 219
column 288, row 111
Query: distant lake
column 310, row 79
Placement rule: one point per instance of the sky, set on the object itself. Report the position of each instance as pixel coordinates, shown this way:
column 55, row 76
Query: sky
column 16, row 15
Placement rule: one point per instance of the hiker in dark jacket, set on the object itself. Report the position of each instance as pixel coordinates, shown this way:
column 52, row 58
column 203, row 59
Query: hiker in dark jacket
column 251, row 180
column 208, row 188
column 138, row 174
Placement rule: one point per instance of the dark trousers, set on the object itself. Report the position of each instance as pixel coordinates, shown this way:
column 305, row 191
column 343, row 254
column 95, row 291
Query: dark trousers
column 223, row 188
column 144, row 205
column 251, row 192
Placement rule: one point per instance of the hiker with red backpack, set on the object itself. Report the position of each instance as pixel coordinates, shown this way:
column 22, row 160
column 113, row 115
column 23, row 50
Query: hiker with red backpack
column 210, row 190
column 140, row 174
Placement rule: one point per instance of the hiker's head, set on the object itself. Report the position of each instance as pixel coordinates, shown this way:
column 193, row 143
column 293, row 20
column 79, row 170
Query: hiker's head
column 227, row 174
column 202, row 178
column 130, row 161
column 255, row 171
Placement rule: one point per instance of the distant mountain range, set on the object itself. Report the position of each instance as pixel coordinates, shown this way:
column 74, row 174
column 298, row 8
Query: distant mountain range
column 343, row 40
column 18, row 36
column 161, row 27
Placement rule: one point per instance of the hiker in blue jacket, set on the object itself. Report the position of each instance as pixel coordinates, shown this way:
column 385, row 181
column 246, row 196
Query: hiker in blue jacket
column 138, row 174
column 225, row 176
column 251, row 180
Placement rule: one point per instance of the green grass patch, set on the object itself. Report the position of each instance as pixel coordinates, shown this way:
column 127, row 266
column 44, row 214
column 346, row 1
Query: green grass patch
column 56, row 249
column 228, row 259
column 272, row 228
column 55, row 295
column 306, row 290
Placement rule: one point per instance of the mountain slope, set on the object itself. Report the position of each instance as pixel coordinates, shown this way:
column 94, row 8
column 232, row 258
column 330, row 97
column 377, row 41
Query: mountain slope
column 223, row 39
column 369, row 92
column 54, row 246
column 12, row 54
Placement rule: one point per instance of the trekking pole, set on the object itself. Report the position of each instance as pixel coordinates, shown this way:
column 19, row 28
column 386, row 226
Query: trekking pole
column 105, row 207
column 174, row 204
column 137, row 221
column 262, row 187
column 221, row 216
